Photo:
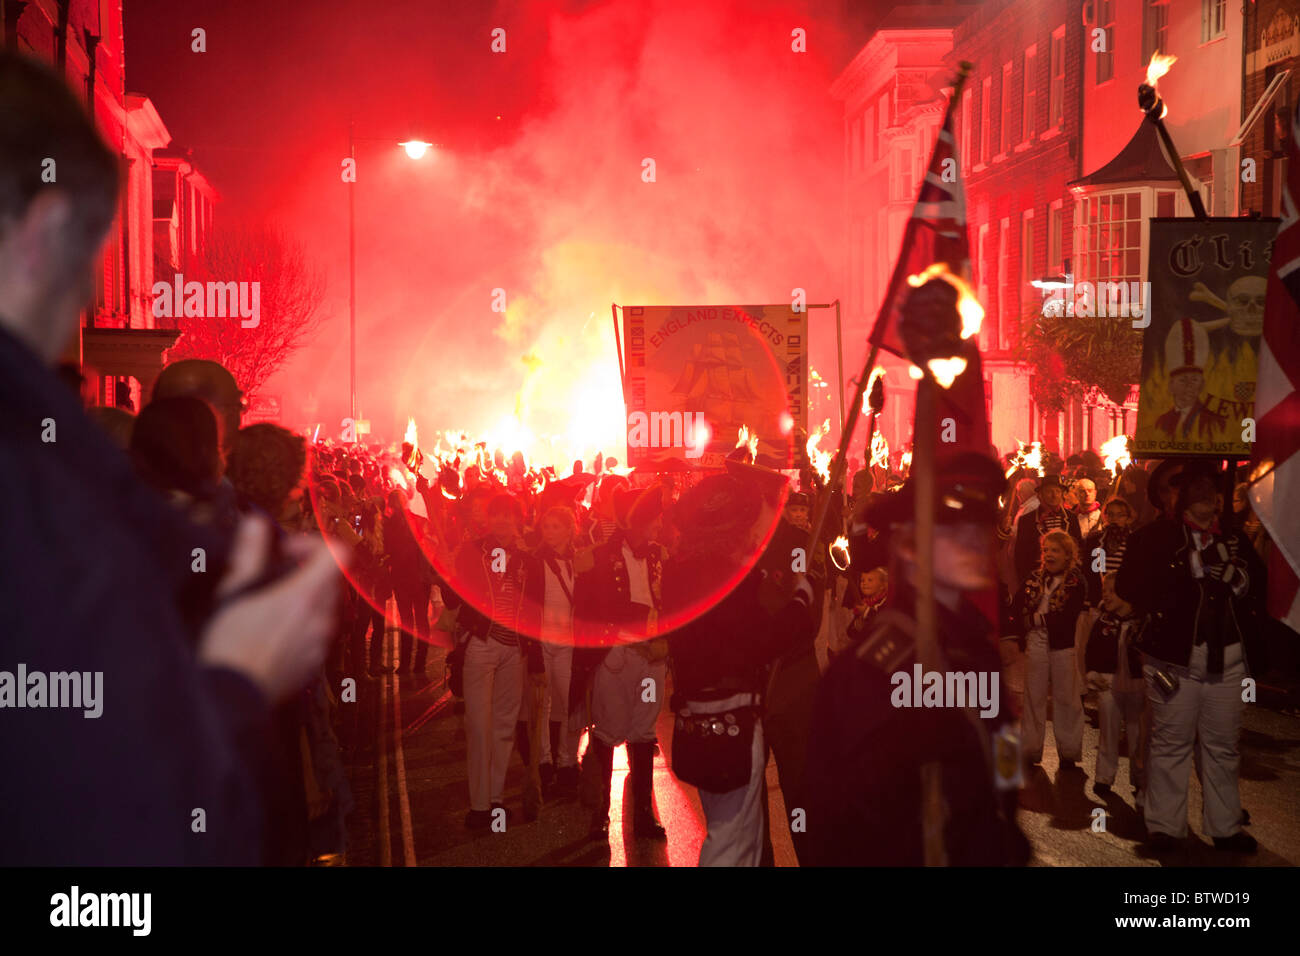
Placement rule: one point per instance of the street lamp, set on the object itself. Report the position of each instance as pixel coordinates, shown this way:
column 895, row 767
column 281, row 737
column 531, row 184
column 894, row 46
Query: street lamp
column 415, row 149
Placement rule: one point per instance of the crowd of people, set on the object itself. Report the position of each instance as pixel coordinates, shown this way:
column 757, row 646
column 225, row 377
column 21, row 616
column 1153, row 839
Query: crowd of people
column 195, row 563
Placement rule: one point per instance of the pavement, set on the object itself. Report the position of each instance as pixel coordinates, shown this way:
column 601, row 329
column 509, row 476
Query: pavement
column 405, row 750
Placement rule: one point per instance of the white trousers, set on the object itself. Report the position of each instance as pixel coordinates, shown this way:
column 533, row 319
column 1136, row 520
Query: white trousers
column 1055, row 671
column 558, row 659
column 734, row 819
column 1206, row 715
column 493, row 691
column 624, row 707
column 1118, row 710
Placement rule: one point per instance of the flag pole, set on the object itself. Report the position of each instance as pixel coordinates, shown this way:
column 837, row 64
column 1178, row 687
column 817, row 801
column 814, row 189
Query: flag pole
column 855, row 410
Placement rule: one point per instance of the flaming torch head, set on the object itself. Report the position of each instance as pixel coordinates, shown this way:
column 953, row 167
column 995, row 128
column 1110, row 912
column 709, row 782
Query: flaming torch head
column 876, row 390
column 839, row 551
column 941, row 313
column 1115, row 454
column 749, row 441
column 819, row 461
column 1149, row 100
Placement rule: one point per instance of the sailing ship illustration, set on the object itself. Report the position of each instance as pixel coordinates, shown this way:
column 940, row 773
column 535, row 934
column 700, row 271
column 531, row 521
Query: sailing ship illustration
column 716, row 380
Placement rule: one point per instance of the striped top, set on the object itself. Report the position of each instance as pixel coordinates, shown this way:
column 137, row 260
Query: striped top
column 504, row 610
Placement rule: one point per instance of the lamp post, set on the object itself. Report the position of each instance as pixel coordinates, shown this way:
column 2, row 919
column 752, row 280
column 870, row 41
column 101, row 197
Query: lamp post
column 415, row 149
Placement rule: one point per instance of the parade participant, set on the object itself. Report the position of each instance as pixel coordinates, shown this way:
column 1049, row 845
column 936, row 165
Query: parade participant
column 792, row 686
column 1047, row 612
column 797, row 510
column 559, row 760
column 492, row 570
column 1112, row 541
column 616, row 603
column 872, row 592
column 721, row 660
column 1032, row 525
column 862, row 785
column 411, row 577
column 1086, row 513
column 1114, row 671
column 1199, row 587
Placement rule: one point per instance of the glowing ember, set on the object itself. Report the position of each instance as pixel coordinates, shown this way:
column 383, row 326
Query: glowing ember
column 879, row 451
column 839, row 551
column 1115, row 452
column 877, row 372
column 1159, row 66
column 412, row 436
column 906, row 461
column 820, row 461
column 1033, row 458
column 747, row 439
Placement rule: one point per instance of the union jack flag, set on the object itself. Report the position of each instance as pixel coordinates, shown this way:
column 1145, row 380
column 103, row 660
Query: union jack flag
column 937, row 233
column 1275, row 492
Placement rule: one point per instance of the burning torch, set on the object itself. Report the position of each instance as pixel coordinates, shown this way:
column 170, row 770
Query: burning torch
column 1151, row 103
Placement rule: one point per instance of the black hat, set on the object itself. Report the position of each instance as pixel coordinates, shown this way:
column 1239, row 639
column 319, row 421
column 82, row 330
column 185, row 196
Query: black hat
column 967, row 490
column 1050, row 481
column 798, row 499
column 637, row 509
column 768, row 480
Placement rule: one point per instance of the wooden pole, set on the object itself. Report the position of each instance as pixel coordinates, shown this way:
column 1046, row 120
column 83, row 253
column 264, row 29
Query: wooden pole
column 618, row 347
column 839, row 358
column 922, row 477
column 841, row 453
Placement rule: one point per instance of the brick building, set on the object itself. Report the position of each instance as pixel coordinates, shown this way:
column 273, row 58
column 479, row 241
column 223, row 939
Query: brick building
column 120, row 348
column 1019, row 132
column 1271, row 89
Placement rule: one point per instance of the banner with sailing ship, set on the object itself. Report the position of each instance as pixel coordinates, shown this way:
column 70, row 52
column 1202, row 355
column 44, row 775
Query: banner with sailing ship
column 697, row 375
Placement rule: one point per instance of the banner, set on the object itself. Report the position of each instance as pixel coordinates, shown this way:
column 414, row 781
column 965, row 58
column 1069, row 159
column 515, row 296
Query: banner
column 695, row 375
column 1200, row 350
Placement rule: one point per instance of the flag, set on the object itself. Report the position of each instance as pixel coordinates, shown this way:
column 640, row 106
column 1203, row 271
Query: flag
column 936, row 232
column 1276, row 491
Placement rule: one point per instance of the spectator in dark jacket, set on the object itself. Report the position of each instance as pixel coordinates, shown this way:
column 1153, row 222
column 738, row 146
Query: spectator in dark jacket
column 163, row 771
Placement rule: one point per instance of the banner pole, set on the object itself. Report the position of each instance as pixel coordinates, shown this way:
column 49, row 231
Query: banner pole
column 618, row 347
column 839, row 355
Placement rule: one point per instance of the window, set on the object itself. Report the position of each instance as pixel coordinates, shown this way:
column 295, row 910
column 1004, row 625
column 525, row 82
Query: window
column 882, row 120
column 1106, row 55
column 1214, row 20
column 1004, row 135
column 902, row 179
column 855, row 145
column 1055, row 239
column 986, row 140
column 1027, row 247
column 1056, row 90
column 1155, row 28
column 1165, row 204
column 869, row 145
column 1029, row 98
column 965, row 131
column 1003, row 313
column 1110, row 237
column 981, row 281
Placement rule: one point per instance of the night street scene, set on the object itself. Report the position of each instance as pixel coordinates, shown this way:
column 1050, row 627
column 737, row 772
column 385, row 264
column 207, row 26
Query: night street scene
column 645, row 433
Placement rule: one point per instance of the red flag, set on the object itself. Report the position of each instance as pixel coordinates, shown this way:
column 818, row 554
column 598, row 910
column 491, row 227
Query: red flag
column 937, row 233
column 1276, row 492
